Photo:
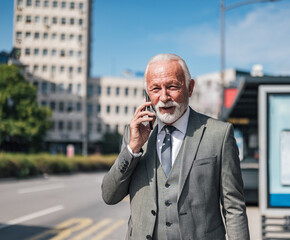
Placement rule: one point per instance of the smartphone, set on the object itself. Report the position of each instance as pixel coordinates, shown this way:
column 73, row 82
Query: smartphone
column 148, row 108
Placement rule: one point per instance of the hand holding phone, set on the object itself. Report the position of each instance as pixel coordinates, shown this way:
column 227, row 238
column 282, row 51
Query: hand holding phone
column 148, row 108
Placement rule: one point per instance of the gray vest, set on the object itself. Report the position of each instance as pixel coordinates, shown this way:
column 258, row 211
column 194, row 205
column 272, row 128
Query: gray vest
column 167, row 224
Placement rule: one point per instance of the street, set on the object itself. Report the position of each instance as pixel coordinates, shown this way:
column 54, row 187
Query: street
column 68, row 207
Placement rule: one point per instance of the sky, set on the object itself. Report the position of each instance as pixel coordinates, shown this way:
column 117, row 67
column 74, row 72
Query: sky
column 127, row 33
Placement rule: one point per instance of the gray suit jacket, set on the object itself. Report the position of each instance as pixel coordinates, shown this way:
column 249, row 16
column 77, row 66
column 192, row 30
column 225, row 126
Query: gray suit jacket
column 210, row 175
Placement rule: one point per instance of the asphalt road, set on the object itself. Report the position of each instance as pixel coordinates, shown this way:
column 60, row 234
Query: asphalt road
column 68, row 207
column 60, row 207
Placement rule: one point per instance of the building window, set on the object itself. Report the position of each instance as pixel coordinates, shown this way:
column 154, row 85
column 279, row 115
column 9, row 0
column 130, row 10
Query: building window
column 135, row 91
column 45, row 20
column 62, row 36
column 63, row 21
column 28, row 3
column 46, row 3
column 126, row 109
column 52, row 87
column 37, row 19
column 45, row 35
column 90, row 109
column 78, row 125
column 28, row 19
column 69, row 125
column 71, row 53
column 61, row 107
column 35, row 68
column 37, row 3
column 36, row 51
column 43, row 103
column 99, row 90
column 72, row 21
column 52, row 105
column 81, row 6
column 35, row 83
column 108, row 90
column 53, row 36
column 44, row 68
column 69, row 89
column 90, row 90
column 36, row 35
column 71, row 37
column 61, row 88
column 116, row 128
column 53, row 52
column 62, row 53
column 98, row 108
column 80, row 54
column 19, row 18
column 44, row 52
column 54, row 20
column 108, row 129
column 70, row 70
column 20, row 3
column 90, row 127
column 60, row 125
column 28, row 35
column 99, row 127
column 18, row 35
column 79, row 107
column 80, row 21
column 135, row 108
column 54, row 4
column 72, row 5
column 44, row 87
column 117, row 109
column 79, row 88
column 53, row 69
column 79, row 70
column 63, row 4
column 117, row 91
column 126, row 91
column 27, row 51
column 80, row 38
column 108, row 109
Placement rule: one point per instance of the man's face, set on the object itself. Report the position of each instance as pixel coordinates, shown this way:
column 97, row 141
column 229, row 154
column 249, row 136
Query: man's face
column 167, row 90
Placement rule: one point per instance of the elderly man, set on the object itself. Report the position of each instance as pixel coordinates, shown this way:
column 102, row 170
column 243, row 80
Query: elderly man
column 180, row 173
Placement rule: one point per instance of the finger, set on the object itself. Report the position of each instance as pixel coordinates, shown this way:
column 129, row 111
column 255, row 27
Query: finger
column 142, row 106
column 141, row 120
column 144, row 113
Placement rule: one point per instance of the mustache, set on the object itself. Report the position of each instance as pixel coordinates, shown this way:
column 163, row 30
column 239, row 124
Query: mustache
column 167, row 104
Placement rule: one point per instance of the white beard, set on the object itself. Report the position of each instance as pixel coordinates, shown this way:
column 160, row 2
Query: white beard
column 168, row 118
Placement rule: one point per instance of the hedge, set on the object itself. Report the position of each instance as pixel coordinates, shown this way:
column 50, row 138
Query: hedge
column 25, row 165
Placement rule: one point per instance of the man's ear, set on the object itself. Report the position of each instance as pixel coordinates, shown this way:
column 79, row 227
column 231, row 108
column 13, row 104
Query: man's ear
column 191, row 87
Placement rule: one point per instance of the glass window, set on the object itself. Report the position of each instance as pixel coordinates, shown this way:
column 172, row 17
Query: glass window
column 19, row 18
column 71, row 53
column 90, row 109
column 79, row 69
column 19, row 3
column 99, row 127
column 69, row 125
column 80, row 38
column 72, row 21
column 135, row 91
column 54, row 20
column 36, row 51
column 62, row 53
column 52, row 87
column 45, row 20
column 53, row 52
column 28, row 3
column 60, row 125
column 80, row 54
column 44, row 87
column 45, row 35
column 108, row 109
column 53, row 36
column 35, row 83
column 44, row 52
column 52, row 105
column 27, row 51
column 44, row 68
column 63, row 4
column 27, row 34
column 54, row 4
column 69, row 89
column 46, row 3
column 18, row 35
column 62, row 36
column 79, row 107
column 99, row 108
column 117, row 91
column 28, row 19
column 43, row 103
column 70, row 69
column 61, row 69
column 78, row 125
column 69, row 107
column 61, row 88
column 126, row 91
column 61, row 107
column 108, row 129
column 63, row 21
column 53, row 69
column 108, row 90
column 80, row 21
column 90, row 90
column 37, row 3
column 79, row 88
column 81, row 6
column 126, row 109
column 71, row 37
column 35, row 68
column 90, row 127
column 72, row 5
column 36, row 19
column 36, row 35
column 99, row 90
column 117, row 109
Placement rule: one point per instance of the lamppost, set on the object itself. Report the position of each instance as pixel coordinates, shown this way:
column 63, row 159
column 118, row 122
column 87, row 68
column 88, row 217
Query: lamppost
column 223, row 9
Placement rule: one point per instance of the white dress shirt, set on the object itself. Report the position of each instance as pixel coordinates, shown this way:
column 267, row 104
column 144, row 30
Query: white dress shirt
column 176, row 137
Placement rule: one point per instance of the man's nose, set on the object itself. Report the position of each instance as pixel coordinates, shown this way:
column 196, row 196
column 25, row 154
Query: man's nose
column 164, row 96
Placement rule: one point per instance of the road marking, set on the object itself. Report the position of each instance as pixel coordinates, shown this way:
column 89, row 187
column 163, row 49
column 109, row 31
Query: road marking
column 41, row 188
column 33, row 216
column 92, row 229
column 109, row 230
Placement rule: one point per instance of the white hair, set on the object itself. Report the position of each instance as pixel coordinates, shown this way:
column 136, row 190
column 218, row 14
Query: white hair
column 169, row 57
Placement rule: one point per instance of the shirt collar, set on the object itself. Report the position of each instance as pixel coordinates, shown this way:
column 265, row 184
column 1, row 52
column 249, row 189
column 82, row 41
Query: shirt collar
column 180, row 124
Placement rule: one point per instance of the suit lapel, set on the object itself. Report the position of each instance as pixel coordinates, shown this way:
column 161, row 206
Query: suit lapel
column 150, row 159
column 191, row 142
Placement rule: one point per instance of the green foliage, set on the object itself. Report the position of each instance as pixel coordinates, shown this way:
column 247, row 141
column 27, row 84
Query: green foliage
column 111, row 143
column 22, row 121
column 24, row 165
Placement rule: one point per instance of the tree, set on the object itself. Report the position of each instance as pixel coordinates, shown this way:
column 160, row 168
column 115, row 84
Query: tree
column 111, row 142
column 23, row 123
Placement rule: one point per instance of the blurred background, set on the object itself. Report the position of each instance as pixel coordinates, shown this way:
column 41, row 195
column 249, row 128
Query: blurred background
column 71, row 78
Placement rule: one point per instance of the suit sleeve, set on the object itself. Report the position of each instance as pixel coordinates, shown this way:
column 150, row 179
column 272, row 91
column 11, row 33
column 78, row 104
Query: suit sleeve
column 116, row 182
column 232, row 196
